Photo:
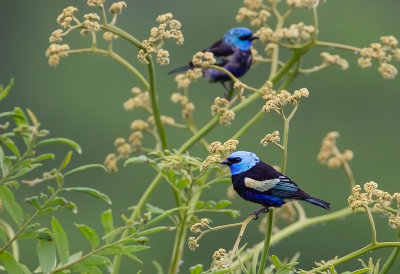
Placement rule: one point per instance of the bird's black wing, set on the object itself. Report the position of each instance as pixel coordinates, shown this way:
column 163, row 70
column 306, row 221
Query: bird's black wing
column 220, row 49
column 274, row 183
column 262, row 171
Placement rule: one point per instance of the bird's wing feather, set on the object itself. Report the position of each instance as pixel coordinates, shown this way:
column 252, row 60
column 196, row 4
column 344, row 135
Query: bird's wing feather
column 261, row 186
column 262, row 171
column 220, row 49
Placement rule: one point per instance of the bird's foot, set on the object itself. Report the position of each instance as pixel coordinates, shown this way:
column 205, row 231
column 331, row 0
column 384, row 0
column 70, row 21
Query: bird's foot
column 262, row 209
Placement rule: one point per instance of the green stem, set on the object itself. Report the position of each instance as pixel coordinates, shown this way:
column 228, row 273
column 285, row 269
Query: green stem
column 336, row 45
column 392, row 258
column 295, row 227
column 355, row 254
column 200, row 134
column 150, row 68
column 154, row 104
column 372, row 224
column 248, row 125
column 31, row 218
column 181, row 233
column 93, row 252
column 11, row 235
column 123, row 34
column 267, row 241
column 136, row 214
column 117, row 58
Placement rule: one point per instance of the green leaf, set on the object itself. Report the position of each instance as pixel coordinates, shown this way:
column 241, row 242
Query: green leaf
column 108, row 224
column 84, row 268
column 360, row 271
column 154, row 209
column 139, row 159
column 118, row 249
column 43, row 157
column 172, row 175
column 3, row 232
column 154, row 230
column 34, row 201
column 32, row 117
column 89, row 234
column 166, row 214
column 222, row 204
column 91, row 191
column 7, row 113
column 97, row 260
column 158, row 267
column 84, row 167
column 31, row 232
column 182, row 183
column 47, row 255
column 64, row 141
column 10, row 205
column 4, row 92
column 66, row 160
column 61, row 240
column 24, row 170
column 197, row 269
column 209, row 204
column 11, row 265
column 9, row 143
column 276, row 261
column 20, row 117
column 5, row 165
column 1, row 160
column 200, row 204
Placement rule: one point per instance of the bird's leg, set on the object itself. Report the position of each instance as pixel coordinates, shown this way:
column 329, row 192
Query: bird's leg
column 263, row 209
column 228, row 86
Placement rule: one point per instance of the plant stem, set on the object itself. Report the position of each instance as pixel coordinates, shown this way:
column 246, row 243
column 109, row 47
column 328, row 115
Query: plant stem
column 117, row 58
column 236, row 245
column 336, row 45
column 136, row 214
column 372, row 224
column 355, row 254
column 154, row 104
column 267, row 241
column 295, row 227
column 200, row 134
column 392, row 258
column 181, row 233
column 150, row 68
column 248, row 125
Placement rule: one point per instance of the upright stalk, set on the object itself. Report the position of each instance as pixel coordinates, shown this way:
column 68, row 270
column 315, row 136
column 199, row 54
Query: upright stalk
column 392, row 258
column 154, row 103
column 267, row 241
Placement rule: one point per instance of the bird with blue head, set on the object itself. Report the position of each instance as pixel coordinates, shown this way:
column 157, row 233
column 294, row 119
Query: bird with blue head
column 232, row 52
column 258, row 182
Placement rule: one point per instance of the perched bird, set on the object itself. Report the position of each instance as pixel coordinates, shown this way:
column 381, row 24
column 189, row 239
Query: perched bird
column 232, row 52
column 258, row 182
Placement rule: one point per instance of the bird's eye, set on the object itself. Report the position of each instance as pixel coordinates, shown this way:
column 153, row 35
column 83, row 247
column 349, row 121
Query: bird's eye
column 235, row 160
column 245, row 37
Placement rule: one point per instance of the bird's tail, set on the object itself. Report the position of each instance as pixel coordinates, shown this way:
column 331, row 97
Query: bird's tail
column 318, row 202
column 180, row 69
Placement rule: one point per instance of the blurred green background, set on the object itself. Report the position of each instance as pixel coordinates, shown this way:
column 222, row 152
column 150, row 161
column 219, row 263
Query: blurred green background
column 82, row 99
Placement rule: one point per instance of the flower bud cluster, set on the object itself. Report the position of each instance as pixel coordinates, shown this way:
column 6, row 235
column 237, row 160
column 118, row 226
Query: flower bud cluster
column 330, row 155
column 383, row 52
column 168, row 28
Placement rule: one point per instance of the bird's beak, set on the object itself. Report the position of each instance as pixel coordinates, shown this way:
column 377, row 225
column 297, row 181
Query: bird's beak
column 225, row 162
column 254, row 37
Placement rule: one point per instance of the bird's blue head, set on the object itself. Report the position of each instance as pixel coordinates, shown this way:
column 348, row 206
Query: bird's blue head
column 241, row 38
column 240, row 161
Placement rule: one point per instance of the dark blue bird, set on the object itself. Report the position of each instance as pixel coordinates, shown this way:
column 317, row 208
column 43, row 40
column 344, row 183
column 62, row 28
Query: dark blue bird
column 258, row 182
column 232, row 52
